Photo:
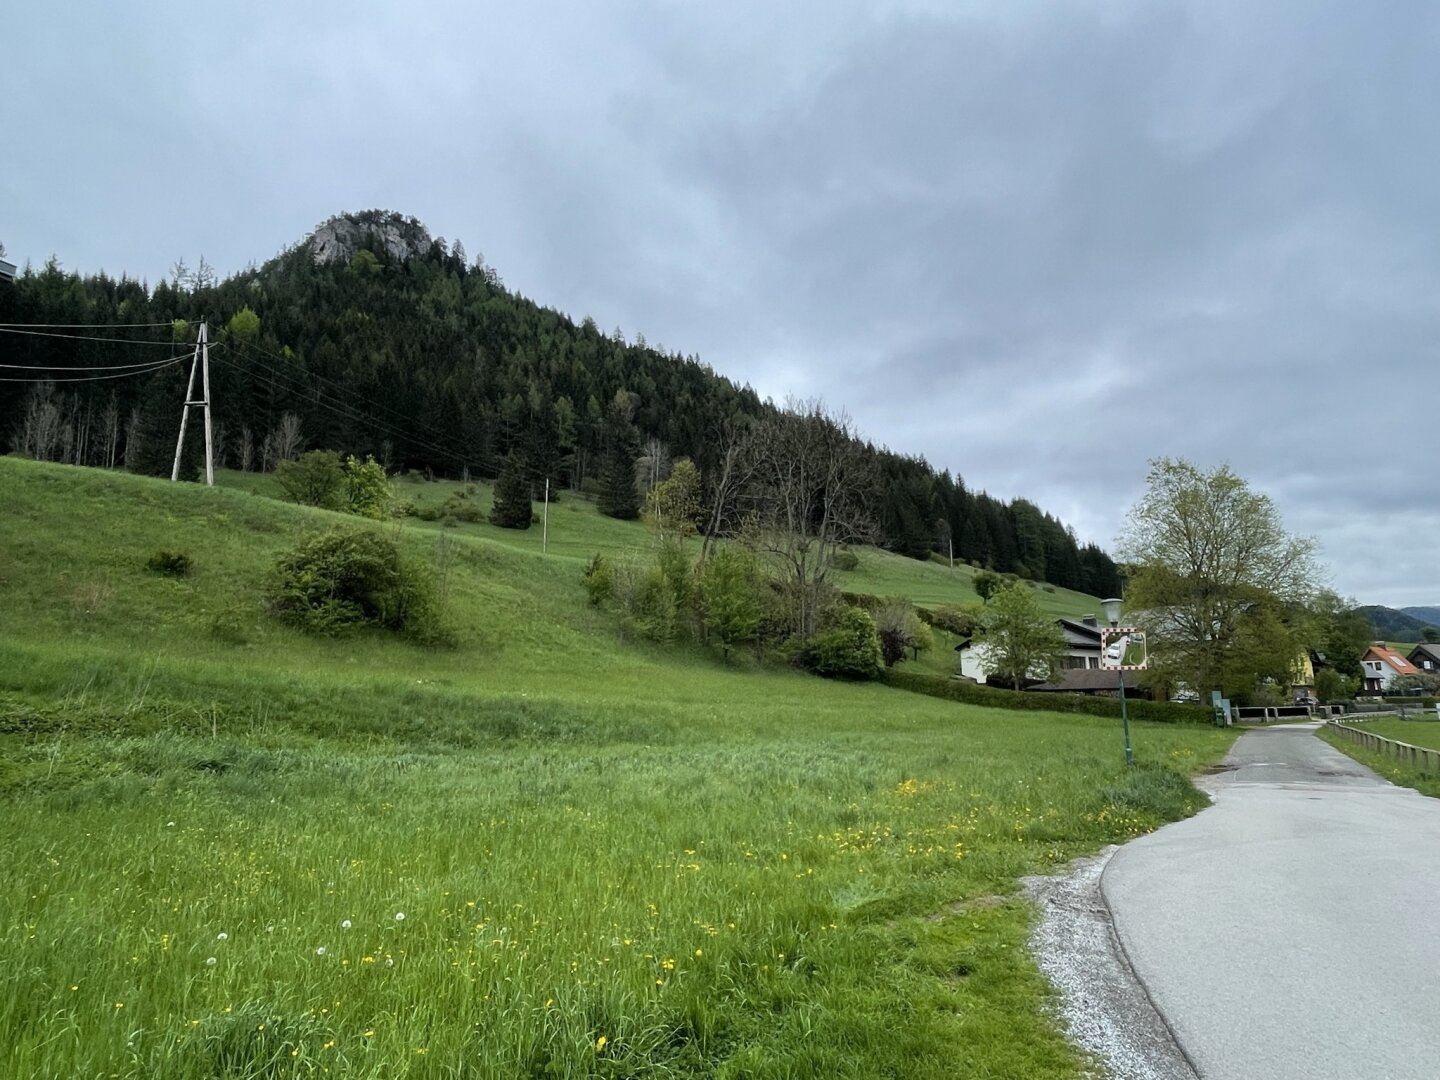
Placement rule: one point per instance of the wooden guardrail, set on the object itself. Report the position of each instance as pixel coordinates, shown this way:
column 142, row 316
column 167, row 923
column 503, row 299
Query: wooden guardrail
column 1420, row 758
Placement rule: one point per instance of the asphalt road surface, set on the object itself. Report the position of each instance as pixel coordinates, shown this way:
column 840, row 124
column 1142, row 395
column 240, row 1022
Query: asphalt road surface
column 1292, row 930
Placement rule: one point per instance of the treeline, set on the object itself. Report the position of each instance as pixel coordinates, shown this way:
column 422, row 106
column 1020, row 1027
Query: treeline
column 429, row 362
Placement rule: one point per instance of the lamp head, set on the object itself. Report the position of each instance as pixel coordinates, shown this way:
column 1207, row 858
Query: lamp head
column 1112, row 609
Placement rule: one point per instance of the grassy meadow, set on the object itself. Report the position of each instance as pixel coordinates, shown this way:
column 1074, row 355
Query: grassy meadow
column 1415, row 732
column 234, row 851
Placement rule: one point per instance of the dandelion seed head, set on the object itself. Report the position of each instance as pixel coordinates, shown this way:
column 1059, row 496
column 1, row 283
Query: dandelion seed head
column 320, row 951
column 210, row 961
column 345, row 925
column 222, row 936
column 399, row 916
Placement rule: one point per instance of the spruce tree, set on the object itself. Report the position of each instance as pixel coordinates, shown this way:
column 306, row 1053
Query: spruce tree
column 618, row 495
column 512, row 496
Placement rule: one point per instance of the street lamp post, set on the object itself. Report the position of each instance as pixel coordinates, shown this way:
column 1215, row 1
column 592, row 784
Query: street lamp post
column 1112, row 612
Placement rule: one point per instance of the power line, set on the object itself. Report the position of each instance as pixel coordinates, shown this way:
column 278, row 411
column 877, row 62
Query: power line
column 83, row 337
column 297, row 385
column 97, row 378
column 84, row 326
column 321, row 378
column 100, row 367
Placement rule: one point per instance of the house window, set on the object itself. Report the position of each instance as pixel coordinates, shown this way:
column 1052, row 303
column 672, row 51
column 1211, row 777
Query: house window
column 1428, row 665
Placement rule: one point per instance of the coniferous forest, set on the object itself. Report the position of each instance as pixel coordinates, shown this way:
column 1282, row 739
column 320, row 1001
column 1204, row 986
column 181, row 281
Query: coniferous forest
column 398, row 346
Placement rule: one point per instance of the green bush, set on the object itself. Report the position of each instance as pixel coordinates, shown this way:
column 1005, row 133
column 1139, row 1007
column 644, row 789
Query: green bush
column 367, row 489
column 315, row 480
column 646, row 602
column 952, row 618
column 338, row 581
column 599, row 579
column 174, row 563
column 845, row 560
column 849, row 648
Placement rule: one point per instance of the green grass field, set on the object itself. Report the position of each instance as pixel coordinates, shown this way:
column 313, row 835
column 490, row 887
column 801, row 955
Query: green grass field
column 1414, row 732
column 611, row 860
column 578, row 530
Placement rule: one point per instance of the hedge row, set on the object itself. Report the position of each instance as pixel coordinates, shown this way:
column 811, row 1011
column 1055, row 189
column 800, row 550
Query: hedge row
column 1167, row 712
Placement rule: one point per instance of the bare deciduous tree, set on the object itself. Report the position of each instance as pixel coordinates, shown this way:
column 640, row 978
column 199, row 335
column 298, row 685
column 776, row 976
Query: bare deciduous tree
column 652, row 466
column 810, row 482
column 110, row 433
column 284, row 442
column 247, row 449
column 134, row 437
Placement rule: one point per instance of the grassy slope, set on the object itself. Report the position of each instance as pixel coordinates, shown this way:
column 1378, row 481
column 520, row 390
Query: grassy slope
column 613, row 861
column 578, row 530
column 1415, row 732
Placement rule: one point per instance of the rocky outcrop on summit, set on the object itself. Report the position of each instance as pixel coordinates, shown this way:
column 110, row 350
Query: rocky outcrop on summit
column 388, row 234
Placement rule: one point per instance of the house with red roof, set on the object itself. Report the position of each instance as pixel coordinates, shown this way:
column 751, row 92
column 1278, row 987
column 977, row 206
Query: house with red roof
column 1382, row 666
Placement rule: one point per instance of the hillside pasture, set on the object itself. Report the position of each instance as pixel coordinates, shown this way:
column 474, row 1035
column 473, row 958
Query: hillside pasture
column 611, row 860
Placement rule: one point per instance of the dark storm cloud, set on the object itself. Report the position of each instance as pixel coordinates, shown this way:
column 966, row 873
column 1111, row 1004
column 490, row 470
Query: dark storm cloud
column 1037, row 243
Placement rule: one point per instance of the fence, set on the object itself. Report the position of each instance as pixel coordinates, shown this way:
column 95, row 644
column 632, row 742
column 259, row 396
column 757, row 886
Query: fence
column 1420, row 758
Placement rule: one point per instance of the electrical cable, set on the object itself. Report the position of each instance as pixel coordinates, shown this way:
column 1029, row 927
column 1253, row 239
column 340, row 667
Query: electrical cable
column 97, row 378
column 294, row 385
column 101, row 367
column 84, row 337
column 84, row 326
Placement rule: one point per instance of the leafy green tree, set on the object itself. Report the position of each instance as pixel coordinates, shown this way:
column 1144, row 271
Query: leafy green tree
column 367, row 488
column 244, row 325
column 849, row 648
column 1023, row 642
column 1331, row 687
column 729, row 592
column 1431, row 635
column 1211, row 564
column 986, row 584
column 1341, row 631
column 314, row 479
column 673, row 505
column 512, row 509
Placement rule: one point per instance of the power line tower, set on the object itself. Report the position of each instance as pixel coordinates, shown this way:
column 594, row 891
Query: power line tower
column 201, row 360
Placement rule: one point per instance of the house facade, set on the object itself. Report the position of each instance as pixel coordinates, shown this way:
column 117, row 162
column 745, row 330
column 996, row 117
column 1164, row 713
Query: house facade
column 1426, row 658
column 1082, row 652
column 1381, row 666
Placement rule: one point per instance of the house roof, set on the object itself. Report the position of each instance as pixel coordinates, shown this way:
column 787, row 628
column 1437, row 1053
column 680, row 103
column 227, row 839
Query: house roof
column 1425, row 651
column 1391, row 657
column 1078, row 633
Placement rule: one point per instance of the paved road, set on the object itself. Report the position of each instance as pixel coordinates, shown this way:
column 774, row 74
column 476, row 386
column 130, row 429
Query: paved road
column 1292, row 930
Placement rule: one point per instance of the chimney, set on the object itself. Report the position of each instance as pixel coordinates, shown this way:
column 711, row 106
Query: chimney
column 1089, row 620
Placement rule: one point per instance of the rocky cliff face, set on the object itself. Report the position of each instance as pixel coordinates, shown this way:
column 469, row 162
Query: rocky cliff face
column 385, row 233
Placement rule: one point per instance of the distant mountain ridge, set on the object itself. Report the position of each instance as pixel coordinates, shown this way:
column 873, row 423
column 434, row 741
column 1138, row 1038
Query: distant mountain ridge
column 1395, row 625
column 1429, row 615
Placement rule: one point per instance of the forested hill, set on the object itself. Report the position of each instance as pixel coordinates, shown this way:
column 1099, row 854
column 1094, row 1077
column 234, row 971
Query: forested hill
column 382, row 340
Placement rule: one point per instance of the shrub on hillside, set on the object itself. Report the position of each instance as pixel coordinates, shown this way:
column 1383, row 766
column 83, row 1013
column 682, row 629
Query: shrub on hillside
column 367, row 489
column 952, row 618
column 599, row 579
column 845, row 560
column 848, row 649
column 344, row 579
column 646, row 602
column 316, row 479
column 174, row 563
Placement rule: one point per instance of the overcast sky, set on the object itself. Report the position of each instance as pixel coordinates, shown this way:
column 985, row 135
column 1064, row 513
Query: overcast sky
column 1038, row 243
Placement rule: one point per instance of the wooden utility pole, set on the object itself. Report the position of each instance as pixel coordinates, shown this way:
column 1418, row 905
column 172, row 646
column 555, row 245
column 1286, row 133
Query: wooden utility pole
column 201, row 361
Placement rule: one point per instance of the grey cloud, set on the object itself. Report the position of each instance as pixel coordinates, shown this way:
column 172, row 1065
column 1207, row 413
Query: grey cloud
column 1037, row 243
